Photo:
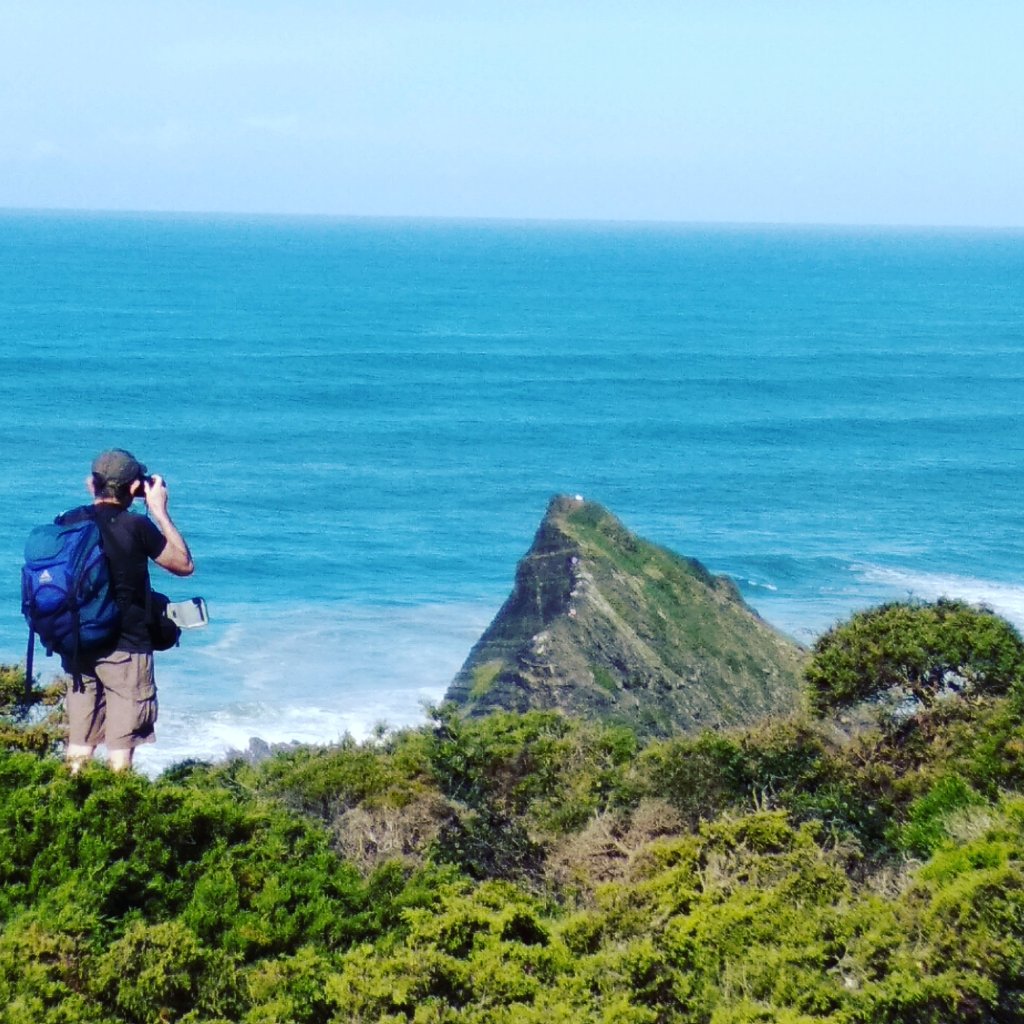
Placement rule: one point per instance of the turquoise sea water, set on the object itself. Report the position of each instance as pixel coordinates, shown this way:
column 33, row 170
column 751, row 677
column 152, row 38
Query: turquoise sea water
column 361, row 423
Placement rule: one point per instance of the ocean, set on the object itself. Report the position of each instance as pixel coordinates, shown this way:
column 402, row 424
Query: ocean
column 361, row 423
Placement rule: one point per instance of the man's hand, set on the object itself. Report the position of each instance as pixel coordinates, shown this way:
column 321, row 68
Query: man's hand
column 175, row 557
column 155, row 493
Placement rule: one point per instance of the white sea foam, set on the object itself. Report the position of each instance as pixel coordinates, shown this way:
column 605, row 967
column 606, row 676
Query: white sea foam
column 306, row 674
column 1006, row 599
column 760, row 585
column 804, row 612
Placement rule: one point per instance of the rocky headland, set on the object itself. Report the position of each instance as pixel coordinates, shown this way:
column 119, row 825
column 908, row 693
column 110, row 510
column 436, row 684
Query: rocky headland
column 603, row 624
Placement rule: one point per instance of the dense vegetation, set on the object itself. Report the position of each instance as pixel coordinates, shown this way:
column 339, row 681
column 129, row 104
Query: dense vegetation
column 533, row 868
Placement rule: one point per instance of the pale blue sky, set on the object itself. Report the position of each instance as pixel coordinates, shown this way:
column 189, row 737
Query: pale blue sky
column 807, row 112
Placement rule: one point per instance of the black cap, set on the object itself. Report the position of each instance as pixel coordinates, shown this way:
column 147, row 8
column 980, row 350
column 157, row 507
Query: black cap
column 118, row 467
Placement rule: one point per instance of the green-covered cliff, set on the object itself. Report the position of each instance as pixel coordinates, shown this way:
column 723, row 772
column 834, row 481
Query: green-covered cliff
column 601, row 623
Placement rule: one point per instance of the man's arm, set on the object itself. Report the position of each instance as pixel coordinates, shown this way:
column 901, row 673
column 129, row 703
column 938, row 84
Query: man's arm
column 175, row 557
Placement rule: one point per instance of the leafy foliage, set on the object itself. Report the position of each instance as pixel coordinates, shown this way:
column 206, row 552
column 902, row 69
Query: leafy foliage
column 32, row 719
column 549, row 870
column 919, row 649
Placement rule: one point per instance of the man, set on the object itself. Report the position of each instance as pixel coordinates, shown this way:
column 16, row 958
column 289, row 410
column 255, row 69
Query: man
column 117, row 704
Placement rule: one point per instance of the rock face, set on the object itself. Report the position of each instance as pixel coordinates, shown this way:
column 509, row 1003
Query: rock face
column 603, row 624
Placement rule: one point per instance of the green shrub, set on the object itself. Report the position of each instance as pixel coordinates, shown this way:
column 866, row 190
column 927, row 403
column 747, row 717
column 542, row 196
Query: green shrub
column 700, row 777
column 290, row 988
column 44, row 968
column 503, row 760
column 488, row 844
column 756, row 875
column 162, row 971
column 328, row 780
column 30, row 720
column 921, row 649
column 925, row 828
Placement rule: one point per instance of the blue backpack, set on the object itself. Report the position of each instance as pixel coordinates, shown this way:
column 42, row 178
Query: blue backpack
column 66, row 592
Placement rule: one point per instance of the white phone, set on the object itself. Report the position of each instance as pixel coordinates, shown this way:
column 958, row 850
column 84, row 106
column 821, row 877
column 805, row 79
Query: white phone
column 188, row 614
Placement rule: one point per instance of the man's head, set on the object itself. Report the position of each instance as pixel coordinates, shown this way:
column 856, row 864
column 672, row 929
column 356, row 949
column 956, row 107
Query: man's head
column 116, row 474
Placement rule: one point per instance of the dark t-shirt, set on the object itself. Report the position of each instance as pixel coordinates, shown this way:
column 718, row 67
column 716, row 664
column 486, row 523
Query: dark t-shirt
column 129, row 542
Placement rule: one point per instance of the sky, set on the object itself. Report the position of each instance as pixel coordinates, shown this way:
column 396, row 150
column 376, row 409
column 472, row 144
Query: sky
column 743, row 111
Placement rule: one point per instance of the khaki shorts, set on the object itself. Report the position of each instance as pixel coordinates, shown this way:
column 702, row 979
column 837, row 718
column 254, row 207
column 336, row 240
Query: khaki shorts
column 118, row 705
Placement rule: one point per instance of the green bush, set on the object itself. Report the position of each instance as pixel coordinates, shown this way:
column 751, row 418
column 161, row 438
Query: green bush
column 700, row 777
column 926, row 825
column 790, row 872
column 328, row 780
column 163, row 972
column 920, row 649
column 32, row 719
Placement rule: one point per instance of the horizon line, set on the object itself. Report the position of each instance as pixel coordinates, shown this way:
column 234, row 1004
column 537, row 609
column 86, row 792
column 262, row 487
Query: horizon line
column 504, row 219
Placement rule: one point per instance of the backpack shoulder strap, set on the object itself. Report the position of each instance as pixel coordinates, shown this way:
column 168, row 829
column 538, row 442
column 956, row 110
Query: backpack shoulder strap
column 76, row 515
column 28, row 664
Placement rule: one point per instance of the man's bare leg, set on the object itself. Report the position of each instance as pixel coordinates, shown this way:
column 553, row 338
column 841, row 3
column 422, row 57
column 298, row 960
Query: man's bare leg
column 78, row 754
column 120, row 760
